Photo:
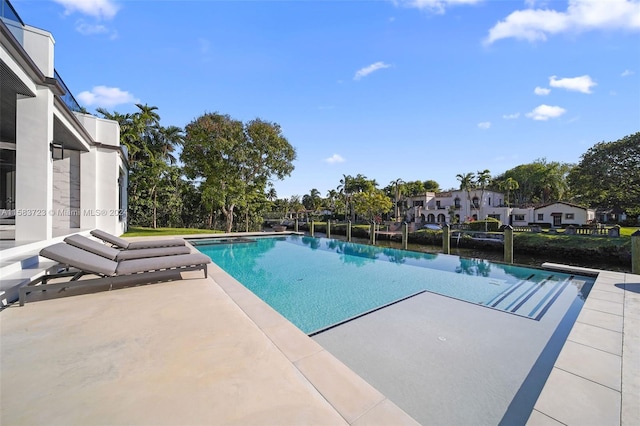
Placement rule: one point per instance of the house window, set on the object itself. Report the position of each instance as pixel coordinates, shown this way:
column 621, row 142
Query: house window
column 540, row 216
column 476, row 202
column 418, row 203
column 495, row 216
column 489, row 201
column 438, row 204
column 569, row 216
column 518, row 217
column 456, row 203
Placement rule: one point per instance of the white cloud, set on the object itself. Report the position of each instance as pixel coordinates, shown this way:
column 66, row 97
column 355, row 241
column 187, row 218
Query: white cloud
column 627, row 73
column 545, row 112
column 435, row 6
column 581, row 15
column 88, row 29
column 101, row 9
column 484, row 125
column 511, row 116
column 541, row 91
column 581, row 84
column 107, row 97
column 335, row 158
column 363, row 72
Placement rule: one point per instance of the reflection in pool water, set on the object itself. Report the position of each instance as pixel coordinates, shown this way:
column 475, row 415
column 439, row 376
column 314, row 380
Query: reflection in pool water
column 318, row 282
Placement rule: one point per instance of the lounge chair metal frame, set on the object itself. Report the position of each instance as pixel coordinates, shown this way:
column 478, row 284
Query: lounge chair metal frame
column 41, row 283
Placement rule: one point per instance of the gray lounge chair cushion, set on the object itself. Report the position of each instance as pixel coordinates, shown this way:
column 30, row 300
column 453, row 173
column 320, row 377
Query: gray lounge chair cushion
column 124, row 244
column 79, row 258
column 111, row 239
column 151, row 252
column 90, row 262
column 115, row 254
column 126, row 267
column 93, row 246
column 173, row 242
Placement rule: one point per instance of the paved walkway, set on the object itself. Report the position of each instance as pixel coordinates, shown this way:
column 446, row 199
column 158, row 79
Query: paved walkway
column 596, row 379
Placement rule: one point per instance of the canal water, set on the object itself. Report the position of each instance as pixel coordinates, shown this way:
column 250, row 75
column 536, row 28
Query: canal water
column 494, row 255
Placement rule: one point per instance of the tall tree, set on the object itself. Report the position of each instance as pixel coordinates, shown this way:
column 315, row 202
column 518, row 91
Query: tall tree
column 509, row 184
column 482, row 179
column 608, row 175
column 431, row 186
column 234, row 160
column 398, row 183
column 313, row 200
column 467, row 183
column 331, row 200
column 539, row 182
column 344, row 189
column 149, row 148
column 371, row 203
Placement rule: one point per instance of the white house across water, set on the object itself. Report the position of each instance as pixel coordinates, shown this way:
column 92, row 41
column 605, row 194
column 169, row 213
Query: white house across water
column 462, row 206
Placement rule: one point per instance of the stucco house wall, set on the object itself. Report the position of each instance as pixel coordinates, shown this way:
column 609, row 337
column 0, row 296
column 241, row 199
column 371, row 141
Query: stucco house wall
column 563, row 214
column 53, row 196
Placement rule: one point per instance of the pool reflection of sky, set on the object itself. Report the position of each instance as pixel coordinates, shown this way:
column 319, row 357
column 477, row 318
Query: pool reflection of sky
column 317, row 282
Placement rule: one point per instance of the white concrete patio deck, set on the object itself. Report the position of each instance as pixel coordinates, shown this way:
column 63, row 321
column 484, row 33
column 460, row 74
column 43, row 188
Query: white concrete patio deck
column 208, row 351
column 176, row 353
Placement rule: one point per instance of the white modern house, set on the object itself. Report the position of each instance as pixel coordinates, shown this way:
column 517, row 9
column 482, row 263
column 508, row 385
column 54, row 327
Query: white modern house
column 62, row 170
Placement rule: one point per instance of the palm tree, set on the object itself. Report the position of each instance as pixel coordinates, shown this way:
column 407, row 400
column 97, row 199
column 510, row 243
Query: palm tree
column 148, row 115
column 482, row 178
column 509, row 184
column 295, row 204
column 332, row 196
column 344, row 190
column 169, row 138
column 271, row 194
column 398, row 186
column 467, row 183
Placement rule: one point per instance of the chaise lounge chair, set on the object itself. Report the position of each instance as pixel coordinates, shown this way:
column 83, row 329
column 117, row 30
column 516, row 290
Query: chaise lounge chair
column 135, row 245
column 111, row 253
column 129, row 271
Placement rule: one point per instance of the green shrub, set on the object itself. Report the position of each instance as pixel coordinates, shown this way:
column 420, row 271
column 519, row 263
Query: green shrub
column 489, row 224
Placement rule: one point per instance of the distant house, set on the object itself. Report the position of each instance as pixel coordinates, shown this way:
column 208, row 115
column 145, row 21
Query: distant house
column 614, row 215
column 456, row 206
column 562, row 213
column 442, row 207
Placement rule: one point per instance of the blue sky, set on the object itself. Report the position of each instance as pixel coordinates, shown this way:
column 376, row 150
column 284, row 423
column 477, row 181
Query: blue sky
column 421, row 89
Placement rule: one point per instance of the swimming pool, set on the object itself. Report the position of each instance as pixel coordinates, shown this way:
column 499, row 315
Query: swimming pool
column 317, row 283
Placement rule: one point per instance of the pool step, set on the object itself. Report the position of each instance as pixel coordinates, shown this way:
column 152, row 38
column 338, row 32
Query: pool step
column 529, row 298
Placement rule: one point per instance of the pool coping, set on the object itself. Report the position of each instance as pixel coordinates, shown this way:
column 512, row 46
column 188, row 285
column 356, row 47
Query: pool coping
column 355, row 399
column 595, row 379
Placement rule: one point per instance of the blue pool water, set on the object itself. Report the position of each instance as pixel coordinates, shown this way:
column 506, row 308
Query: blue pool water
column 318, row 282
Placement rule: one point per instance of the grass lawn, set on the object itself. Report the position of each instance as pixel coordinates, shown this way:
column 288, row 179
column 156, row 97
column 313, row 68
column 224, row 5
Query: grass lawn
column 544, row 239
column 137, row 231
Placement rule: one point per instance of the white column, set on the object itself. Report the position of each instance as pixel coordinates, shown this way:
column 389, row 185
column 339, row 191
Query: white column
column 88, row 189
column 34, row 166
